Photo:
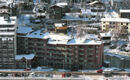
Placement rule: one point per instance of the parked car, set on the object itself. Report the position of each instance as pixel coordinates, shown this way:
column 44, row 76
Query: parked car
column 27, row 69
column 100, row 71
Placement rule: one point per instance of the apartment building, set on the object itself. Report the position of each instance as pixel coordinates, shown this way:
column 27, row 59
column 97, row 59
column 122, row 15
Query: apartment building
column 7, row 41
column 121, row 24
column 61, row 51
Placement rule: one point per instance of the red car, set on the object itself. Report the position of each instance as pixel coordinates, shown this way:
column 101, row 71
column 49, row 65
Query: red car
column 99, row 71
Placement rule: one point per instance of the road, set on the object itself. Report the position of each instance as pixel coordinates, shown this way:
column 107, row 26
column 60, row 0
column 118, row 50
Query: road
column 38, row 75
column 81, row 77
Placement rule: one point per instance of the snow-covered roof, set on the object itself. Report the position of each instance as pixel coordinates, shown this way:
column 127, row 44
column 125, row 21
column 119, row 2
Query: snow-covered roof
column 25, row 30
column 108, row 34
column 65, row 39
column 112, row 14
column 12, row 21
column 38, row 34
column 58, row 24
column 58, row 38
column 27, row 56
column 62, row 4
column 84, row 42
column 125, row 11
column 116, row 19
column 93, row 2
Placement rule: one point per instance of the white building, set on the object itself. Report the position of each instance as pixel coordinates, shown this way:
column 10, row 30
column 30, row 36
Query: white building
column 7, row 41
column 111, row 23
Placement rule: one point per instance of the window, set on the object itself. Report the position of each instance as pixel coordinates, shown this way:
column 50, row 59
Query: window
column 110, row 22
column 90, row 56
column 89, row 60
column 113, row 22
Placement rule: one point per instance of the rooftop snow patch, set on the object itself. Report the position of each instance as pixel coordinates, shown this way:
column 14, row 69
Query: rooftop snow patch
column 58, row 38
column 38, row 34
column 125, row 11
column 85, row 42
column 61, row 4
column 106, row 34
column 116, row 19
column 94, row 2
column 59, row 24
column 24, row 30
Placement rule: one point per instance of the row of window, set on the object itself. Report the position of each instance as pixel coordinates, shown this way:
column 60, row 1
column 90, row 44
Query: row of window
column 4, row 26
column 116, row 22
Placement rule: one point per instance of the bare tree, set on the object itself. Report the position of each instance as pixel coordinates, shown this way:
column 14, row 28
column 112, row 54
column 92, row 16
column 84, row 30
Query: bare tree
column 116, row 31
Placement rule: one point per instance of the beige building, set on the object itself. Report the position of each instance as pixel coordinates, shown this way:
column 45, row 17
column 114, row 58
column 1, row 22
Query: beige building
column 120, row 24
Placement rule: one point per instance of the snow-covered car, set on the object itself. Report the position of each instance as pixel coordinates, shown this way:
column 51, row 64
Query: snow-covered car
column 111, row 70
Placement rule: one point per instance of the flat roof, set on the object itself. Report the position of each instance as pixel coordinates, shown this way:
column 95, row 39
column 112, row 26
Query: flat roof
column 38, row 34
column 125, row 11
column 116, row 19
column 60, row 38
column 108, row 34
column 85, row 42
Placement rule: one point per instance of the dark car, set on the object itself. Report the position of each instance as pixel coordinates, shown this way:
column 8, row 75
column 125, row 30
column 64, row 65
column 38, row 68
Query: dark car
column 108, row 74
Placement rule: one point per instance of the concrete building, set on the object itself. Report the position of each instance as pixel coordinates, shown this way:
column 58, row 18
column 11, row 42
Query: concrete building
column 7, row 41
column 61, row 51
column 108, row 24
column 116, row 60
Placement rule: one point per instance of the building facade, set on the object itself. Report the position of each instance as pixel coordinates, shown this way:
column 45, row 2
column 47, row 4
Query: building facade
column 7, row 42
column 58, row 51
column 120, row 24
